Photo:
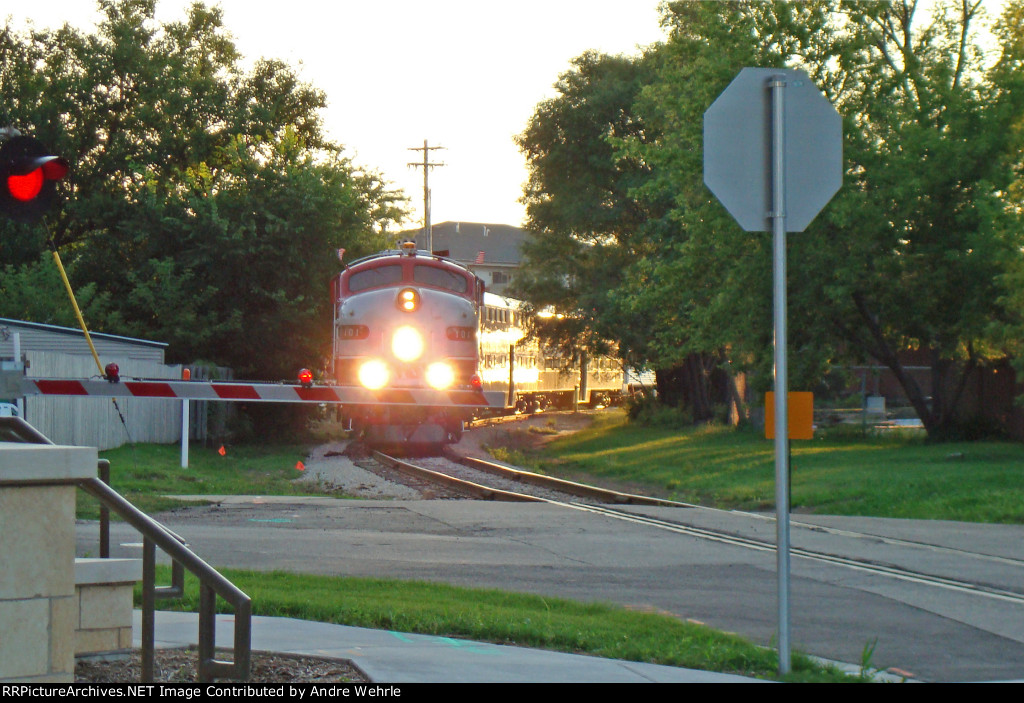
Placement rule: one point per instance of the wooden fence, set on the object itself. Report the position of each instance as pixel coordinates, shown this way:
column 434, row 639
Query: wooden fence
column 94, row 422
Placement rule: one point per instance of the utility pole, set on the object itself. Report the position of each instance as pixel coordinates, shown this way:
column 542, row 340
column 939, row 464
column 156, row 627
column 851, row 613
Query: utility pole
column 426, row 165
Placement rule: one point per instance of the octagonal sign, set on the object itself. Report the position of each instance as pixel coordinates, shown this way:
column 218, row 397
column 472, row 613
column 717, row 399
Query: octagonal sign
column 738, row 146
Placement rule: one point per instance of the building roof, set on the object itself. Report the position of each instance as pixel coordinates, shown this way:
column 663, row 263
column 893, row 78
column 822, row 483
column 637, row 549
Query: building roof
column 464, row 241
column 6, row 322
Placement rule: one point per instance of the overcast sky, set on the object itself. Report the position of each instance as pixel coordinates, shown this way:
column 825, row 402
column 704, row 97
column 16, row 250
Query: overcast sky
column 462, row 74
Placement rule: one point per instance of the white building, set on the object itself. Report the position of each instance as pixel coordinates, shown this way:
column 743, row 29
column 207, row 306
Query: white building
column 51, row 351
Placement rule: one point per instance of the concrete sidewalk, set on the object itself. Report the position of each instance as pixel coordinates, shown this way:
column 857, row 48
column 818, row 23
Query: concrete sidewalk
column 394, row 657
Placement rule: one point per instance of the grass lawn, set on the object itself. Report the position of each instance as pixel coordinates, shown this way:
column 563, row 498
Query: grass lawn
column 144, row 473
column 504, row 618
column 838, row 472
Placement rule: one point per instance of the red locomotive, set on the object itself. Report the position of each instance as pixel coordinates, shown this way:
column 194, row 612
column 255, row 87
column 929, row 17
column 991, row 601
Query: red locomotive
column 407, row 320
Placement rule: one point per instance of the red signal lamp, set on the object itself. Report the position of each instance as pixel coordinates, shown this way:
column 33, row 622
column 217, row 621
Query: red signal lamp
column 28, row 178
column 305, row 378
column 26, row 187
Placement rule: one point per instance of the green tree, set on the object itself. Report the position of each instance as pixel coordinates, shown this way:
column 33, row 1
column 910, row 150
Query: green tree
column 910, row 256
column 707, row 291
column 35, row 292
column 920, row 233
column 254, row 248
column 578, row 197
column 205, row 204
column 907, row 257
column 626, row 236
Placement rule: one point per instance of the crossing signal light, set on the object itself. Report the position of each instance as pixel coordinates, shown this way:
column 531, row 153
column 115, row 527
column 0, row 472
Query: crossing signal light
column 28, row 178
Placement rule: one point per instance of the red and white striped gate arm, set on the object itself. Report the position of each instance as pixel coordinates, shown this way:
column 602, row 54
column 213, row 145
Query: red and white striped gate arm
column 260, row 392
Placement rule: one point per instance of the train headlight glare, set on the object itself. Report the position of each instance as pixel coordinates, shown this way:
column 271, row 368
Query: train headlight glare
column 407, row 344
column 440, row 376
column 374, row 374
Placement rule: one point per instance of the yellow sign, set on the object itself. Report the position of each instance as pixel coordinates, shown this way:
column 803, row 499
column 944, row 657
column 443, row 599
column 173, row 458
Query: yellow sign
column 801, row 415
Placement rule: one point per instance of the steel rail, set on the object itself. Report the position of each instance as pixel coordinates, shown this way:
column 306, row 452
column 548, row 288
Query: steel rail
column 474, row 489
column 557, row 484
column 703, row 533
column 896, row 541
column 847, row 562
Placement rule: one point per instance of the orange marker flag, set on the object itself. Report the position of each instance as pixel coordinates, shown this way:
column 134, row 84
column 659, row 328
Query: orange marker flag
column 299, row 466
column 222, row 451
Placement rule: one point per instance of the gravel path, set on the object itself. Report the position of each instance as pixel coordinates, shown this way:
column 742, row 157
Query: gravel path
column 329, row 467
column 336, row 471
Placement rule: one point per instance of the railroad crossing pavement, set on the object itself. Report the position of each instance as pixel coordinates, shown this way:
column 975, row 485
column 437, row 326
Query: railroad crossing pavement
column 394, row 657
column 932, row 631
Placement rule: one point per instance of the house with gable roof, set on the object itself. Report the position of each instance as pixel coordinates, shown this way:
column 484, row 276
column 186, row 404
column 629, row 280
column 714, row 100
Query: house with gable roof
column 491, row 251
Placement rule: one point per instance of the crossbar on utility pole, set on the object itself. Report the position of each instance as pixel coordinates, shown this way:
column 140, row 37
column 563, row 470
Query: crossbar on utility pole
column 426, row 166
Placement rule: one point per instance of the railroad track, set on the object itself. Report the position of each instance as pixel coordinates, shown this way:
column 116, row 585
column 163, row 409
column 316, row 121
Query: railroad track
column 492, row 481
column 497, row 420
column 896, row 572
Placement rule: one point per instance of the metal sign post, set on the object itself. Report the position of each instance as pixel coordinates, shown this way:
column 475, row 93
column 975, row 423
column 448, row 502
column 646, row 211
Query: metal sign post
column 777, row 85
column 773, row 154
column 185, row 425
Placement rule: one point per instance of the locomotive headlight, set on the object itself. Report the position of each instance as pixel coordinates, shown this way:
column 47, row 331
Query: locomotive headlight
column 374, row 374
column 408, row 300
column 440, row 375
column 407, row 344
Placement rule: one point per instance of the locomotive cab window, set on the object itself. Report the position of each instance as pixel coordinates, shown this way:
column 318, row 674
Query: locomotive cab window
column 375, row 277
column 440, row 278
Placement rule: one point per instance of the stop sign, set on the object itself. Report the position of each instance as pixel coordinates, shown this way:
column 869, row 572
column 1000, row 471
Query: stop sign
column 738, row 146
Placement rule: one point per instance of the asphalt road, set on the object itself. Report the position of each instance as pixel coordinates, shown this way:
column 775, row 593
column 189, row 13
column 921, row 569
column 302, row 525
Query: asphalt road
column 930, row 632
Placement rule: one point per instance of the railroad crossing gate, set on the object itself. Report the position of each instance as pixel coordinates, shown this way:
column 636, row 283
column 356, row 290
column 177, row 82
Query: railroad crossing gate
column 15, row 385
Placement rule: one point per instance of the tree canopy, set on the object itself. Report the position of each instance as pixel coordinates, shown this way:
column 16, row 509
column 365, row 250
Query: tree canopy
column 579, row 201
column 916, row 252
column 205, row 204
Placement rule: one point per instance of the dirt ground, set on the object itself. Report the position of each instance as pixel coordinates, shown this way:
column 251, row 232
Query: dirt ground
column 179, row 665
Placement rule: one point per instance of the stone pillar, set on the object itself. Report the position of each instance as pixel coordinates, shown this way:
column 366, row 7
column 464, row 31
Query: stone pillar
column 38, row 610
column 104, row 625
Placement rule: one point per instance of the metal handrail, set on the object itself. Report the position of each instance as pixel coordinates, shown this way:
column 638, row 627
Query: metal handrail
column 211, row 584
column 103, row 473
